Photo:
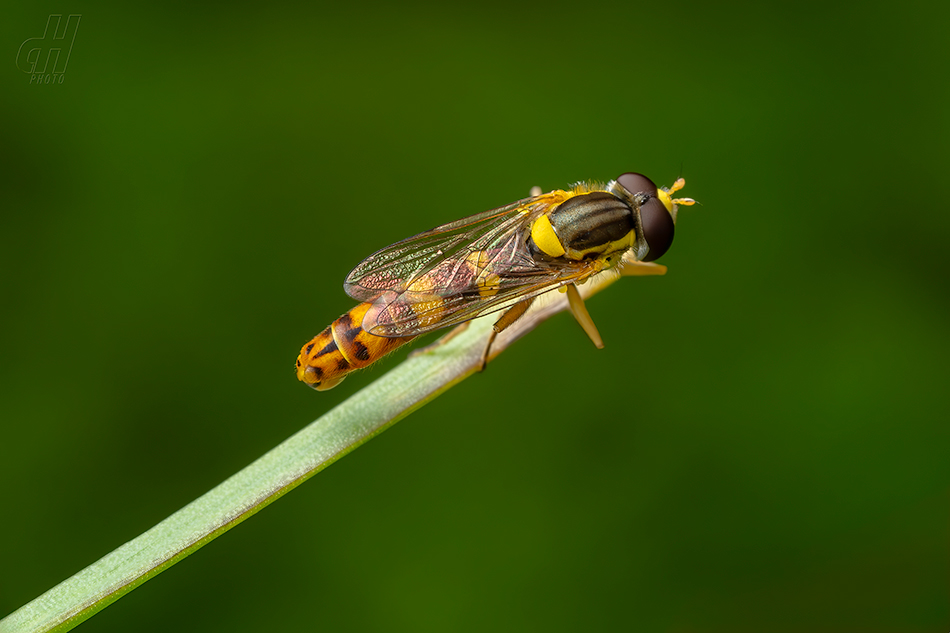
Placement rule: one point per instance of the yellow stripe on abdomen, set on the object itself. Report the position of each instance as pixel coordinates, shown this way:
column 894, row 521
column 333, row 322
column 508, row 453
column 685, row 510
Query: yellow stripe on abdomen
column 325, row 361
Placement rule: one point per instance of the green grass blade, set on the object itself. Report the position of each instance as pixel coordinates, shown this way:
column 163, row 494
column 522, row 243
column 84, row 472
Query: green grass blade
column 370, row 411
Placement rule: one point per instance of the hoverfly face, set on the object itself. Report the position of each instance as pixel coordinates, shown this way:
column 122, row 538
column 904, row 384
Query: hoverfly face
column 656, row 215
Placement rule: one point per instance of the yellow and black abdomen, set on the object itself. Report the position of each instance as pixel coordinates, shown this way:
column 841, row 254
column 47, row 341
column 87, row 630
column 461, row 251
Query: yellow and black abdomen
column 341, row 348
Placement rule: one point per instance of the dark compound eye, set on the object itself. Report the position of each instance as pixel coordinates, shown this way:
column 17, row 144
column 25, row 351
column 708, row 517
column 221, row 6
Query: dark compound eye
column 657, row 221
column 637, row 183
column 657, row 227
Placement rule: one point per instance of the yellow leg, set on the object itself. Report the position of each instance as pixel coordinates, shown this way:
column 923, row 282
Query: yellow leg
column 511, row 315
column 484, row 362
column 579, row 310
column 632, row 268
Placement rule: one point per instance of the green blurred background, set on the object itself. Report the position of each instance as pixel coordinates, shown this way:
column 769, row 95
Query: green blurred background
column 761, row 446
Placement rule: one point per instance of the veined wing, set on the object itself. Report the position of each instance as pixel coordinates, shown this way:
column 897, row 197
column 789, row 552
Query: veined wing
column 395, row 268
column 489, row 288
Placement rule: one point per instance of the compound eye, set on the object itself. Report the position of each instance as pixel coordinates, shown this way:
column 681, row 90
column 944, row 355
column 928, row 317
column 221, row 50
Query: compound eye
column 657, row 227
column 637, row 183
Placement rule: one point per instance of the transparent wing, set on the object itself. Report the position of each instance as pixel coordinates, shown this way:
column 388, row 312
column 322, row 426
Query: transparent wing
column 396, row 267
column 459, row 271
column 418, row 310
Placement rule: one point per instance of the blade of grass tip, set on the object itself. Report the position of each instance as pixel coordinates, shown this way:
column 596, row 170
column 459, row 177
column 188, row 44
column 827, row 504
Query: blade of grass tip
column 412, row 384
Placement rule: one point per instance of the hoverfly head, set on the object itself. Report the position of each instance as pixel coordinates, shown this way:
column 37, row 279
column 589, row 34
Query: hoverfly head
column 657, row 211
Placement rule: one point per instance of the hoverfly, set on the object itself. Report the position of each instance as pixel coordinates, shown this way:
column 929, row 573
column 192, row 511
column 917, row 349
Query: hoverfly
column 497, row 260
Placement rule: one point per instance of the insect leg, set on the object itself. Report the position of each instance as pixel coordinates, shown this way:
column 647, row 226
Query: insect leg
column 511, row 315
column 631, row 268
column 583, row 317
